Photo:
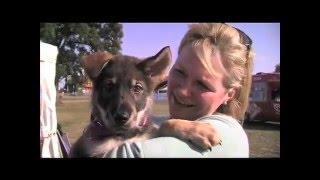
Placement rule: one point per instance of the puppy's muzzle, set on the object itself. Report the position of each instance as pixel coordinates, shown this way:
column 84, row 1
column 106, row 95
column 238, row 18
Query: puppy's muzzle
column 122, row 116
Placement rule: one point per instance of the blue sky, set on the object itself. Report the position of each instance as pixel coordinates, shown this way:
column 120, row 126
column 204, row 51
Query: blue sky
column 146, row 39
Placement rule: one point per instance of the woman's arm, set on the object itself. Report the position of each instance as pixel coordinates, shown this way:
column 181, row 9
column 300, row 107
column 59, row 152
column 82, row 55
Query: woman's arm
column 235, row 144
column 161, row 147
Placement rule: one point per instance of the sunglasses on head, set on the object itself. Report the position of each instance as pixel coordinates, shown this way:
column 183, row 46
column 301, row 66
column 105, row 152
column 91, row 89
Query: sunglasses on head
column 244, row 39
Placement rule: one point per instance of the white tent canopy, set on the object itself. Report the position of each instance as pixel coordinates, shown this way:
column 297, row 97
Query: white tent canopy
column 48, row 52
column 48, row 117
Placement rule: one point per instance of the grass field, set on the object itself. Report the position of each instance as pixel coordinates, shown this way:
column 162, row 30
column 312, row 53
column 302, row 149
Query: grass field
column 73, row 115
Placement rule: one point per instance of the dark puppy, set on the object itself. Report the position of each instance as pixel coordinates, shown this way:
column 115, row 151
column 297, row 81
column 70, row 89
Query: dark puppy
column 122, row 96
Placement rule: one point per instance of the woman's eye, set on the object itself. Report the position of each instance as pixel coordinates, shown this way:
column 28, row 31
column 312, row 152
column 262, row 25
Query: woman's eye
column 179, row 72
column 204, row 87
column 137, row 89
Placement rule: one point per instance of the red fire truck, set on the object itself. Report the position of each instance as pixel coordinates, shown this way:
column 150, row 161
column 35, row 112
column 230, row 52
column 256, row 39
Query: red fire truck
column 264, row 98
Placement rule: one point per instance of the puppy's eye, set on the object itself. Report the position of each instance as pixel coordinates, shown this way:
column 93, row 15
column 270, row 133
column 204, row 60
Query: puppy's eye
column 137, row 88
column 109, row 84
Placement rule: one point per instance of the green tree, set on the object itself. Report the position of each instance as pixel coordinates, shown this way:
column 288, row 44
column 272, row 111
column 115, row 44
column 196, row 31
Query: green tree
column 277, row 68
column 76, row 39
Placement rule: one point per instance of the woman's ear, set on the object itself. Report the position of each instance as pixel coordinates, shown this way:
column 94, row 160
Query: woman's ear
column 231, row 94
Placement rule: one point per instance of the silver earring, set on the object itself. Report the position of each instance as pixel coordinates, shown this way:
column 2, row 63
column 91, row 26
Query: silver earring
column 225, row 103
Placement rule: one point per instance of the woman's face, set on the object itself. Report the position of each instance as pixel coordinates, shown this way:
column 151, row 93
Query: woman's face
column 192, row 91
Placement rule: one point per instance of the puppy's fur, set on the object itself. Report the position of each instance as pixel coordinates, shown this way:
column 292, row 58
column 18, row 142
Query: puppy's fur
column 122, row 95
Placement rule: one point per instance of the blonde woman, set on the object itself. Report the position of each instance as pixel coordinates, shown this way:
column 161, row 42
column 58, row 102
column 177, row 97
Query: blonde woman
column 208, row 86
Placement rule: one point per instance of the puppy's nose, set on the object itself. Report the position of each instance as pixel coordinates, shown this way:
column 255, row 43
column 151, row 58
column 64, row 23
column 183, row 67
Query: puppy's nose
column 122, row 117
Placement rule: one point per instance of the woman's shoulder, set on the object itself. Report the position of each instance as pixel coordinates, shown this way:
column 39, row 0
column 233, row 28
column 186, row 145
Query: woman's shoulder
column 161, row 147
column 225, row 125
column 234, row 141
column 221, row 118
column 232, row 134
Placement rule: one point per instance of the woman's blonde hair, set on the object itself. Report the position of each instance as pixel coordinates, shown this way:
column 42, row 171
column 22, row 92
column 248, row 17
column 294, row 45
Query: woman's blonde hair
column 234, row 48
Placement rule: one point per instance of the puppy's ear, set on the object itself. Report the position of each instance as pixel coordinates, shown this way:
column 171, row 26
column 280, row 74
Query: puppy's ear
column 94, row 63
column 157, row 67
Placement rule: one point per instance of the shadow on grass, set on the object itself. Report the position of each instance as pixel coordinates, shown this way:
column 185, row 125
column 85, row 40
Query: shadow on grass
column 261, row 126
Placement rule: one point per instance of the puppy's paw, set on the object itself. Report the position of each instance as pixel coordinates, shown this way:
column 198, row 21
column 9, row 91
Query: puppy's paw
column 200, row 134
column 204, row 135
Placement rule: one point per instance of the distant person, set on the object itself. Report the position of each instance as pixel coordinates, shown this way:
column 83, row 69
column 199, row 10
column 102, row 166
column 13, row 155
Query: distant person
column 61, row 89
column 71, row 85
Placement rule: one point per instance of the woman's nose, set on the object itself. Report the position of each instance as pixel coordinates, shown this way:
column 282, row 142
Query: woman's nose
column 184, row 90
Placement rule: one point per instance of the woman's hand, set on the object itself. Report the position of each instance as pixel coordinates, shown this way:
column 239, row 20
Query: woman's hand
column 200, row 134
